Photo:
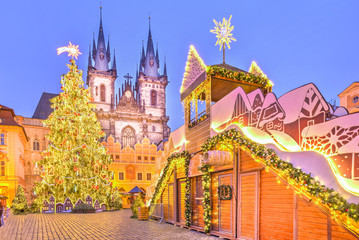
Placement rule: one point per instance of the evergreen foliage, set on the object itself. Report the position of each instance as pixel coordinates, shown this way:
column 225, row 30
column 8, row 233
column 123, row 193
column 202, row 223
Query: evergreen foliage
column 75, row 164
column 19, row 203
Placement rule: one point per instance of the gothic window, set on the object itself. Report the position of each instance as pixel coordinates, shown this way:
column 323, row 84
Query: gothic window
column 102, row 93
column 128, row 136
column 2, row 168
column 36, row 145
column 153, row 129
column 2, row 138
column 153, row 98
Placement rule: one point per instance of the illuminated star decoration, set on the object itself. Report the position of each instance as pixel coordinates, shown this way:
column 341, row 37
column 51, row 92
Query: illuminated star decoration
column 73, row 50
column 223, row 30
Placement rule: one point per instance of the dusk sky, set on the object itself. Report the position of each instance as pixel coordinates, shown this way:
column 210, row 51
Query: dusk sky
column 293, row 43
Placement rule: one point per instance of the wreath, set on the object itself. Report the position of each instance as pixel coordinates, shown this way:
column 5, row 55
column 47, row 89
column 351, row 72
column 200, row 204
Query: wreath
column 224, row 192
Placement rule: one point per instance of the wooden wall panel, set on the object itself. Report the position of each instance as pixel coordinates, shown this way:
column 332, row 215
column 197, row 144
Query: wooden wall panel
column 248, row 205
column 170, row 203
column 197, row 135
column 312, row 223
column 247, row 163
column 165, row 203
column 181, row 200
column 225, row 208
column 276, row 209
column 339, row 233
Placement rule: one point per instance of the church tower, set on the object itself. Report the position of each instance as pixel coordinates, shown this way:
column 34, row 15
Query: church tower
column 101, row 78
column 151, row 86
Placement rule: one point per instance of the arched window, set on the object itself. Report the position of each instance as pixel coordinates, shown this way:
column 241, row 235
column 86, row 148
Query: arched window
column 103, row 93
column 36, row 145
column 128, row 137
column 2, row 168
column 153, row 129
column 153, row 98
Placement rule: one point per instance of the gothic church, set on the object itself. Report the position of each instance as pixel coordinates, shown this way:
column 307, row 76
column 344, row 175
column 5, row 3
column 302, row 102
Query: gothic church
column 138, row 109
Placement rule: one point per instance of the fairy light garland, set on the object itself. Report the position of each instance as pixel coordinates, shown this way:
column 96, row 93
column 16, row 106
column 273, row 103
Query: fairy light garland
column 240, row 76
column 303, row 183
column 181, row 160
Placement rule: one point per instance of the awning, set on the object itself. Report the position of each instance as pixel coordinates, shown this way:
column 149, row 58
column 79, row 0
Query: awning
column 136, row 190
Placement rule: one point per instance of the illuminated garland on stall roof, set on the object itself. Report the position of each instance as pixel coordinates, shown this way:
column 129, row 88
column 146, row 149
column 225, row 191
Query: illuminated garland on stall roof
column 240, row 76
column 303, row 183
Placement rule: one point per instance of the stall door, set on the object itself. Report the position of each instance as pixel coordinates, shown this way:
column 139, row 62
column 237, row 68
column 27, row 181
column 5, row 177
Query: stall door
column 181, row 201
column 196, row 202
column 170, row 203
column 247, row 205
column 225, row 206
column 165, row 203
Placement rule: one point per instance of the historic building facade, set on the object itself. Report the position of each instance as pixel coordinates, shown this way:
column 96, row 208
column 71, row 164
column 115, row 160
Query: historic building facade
column 13, row 141
column 137, row 110
column 134, row 121
column 349, row 98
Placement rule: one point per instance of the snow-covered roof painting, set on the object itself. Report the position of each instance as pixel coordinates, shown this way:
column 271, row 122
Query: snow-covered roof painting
column 298, row 121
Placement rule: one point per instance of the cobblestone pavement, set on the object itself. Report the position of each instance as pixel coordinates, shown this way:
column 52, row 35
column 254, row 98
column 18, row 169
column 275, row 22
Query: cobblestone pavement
column 103, row 225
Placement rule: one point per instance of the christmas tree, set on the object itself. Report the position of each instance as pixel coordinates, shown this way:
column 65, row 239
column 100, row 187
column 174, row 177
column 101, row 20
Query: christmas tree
column 75, row 163
column 19, row 204
column 137, row 204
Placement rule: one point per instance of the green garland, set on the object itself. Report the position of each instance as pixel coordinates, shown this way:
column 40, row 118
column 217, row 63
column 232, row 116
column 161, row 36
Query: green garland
column 164, row 178
column 206, row 181
column 224, row 192
column 327, row 196
column 240, row 76
column 187, row 211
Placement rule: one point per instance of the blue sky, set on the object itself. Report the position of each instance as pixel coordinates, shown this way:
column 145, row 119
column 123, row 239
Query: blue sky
column 294, row 42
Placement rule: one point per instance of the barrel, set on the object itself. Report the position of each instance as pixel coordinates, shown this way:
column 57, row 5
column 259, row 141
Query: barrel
column 143, row 213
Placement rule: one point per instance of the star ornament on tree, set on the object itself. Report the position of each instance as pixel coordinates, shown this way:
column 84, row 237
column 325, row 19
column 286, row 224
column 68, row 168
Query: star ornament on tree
column 73, row 50
column 223, row 32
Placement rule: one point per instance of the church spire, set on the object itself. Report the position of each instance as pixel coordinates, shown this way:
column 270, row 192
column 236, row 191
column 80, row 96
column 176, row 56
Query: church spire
column 165, row 69
column 157, row 56
column 89, row 60
column 114, row 68
column 151, row 66
column 108, row 49
column 143, row 56
column 93, row 46
column 101, row 58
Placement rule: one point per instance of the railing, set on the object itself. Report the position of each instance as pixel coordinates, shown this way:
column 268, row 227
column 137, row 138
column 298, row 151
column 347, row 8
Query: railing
column 200, row 118
column 157, row 212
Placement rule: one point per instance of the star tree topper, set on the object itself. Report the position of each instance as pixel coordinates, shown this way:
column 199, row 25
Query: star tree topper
column 223, row 33
column 73, row 50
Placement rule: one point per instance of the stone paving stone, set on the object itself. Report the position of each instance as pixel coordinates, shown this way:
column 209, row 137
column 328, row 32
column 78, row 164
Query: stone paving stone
column 92, row 226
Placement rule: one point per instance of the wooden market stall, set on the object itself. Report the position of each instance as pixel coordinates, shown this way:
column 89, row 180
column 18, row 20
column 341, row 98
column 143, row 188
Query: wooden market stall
column 244, row 177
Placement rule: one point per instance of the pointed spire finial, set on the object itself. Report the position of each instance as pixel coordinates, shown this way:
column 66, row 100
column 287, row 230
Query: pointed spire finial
column 149, row 19
column 89, row 60
column 165, row 69
column 114, row 60
column 100, row 13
